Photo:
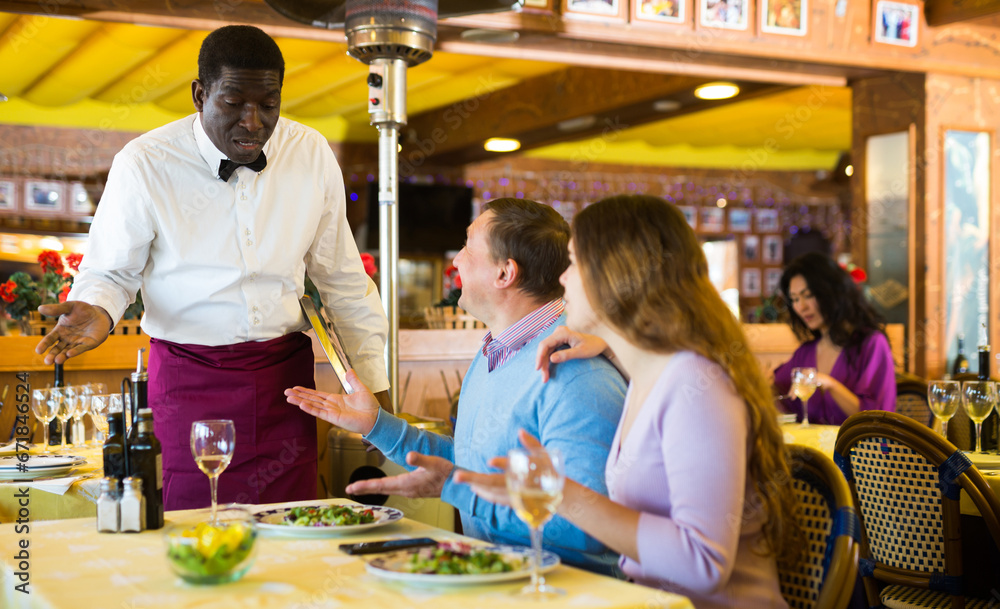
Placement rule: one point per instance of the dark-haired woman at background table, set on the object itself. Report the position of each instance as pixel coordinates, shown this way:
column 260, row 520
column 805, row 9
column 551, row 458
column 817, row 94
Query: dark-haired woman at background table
column 844, row 340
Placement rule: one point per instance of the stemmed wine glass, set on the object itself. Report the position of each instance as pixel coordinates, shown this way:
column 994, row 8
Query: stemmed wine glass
column 803, row 386
column 535, row 480
column 74, row 399
column 40, row 405
column 980, row 398
column 212, row 444
column 943, row 397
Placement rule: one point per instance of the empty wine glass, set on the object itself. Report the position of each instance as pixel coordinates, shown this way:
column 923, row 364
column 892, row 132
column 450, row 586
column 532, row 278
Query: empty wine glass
column 43, row 412
column 980, row 399
column 804, row 384
column 535, row 479
column 212, row 444
column 100, row 408
column 943, row 397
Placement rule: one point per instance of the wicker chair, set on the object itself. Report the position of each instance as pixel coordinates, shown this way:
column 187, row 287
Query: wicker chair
column 906, row 480
column 911, row 399
column 450, row 318
column 824, row 575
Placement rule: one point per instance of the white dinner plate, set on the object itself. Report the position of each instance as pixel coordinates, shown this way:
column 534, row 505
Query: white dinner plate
column 393, row 566
column 273, row 521
column 40, row 462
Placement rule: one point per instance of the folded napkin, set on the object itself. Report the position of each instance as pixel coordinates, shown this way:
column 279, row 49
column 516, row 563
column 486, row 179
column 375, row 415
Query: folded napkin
column 56, row 486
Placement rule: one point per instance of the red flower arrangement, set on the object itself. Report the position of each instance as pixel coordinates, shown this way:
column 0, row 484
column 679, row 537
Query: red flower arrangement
column 369, row 261
column 857, row 273
column 21, row 294
column 453, row 284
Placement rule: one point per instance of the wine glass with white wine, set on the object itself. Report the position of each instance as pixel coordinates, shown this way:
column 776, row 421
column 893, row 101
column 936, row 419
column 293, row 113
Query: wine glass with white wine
column 980, row 399
column 943, row 397
column 535, row 479
column 804, row 384
column 212, row 444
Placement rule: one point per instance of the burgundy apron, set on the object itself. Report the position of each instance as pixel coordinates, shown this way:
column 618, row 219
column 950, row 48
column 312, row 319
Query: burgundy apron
column 275, row 456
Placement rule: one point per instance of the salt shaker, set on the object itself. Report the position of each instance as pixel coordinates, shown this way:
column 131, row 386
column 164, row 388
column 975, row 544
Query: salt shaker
column 107, row 506
column 133, row 506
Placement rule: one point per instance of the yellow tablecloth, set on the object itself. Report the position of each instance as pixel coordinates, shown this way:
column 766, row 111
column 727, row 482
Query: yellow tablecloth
column 71, row 566
column 78, row 502
column 824, row 439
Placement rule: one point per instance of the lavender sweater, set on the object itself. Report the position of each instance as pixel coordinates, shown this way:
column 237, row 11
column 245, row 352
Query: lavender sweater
column 867, row 370
column 684, row 466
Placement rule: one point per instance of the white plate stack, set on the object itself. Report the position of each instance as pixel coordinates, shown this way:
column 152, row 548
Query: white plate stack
column 37, row 466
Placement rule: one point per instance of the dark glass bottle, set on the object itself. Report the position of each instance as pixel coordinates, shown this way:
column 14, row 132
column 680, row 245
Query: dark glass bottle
column 146, row 460
column 961, row 364
column 55, row 425
column 114, row 448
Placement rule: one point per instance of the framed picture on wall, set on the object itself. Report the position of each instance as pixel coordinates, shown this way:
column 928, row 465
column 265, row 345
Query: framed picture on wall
column 751, row 248
column 8, row 195
column 772, row 281
column 896, row 23
column 659, row 11
column 79, row 199
column 46, row 197
column 739, row 220
column 750, row 283
column 605, row 10
column 784, row 17
column 690, row 214
column 767, row 220
column 713, row 219
column 772, row 250
column 728, row 14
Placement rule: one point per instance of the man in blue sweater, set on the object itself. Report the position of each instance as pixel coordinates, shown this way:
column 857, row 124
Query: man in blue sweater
column 510, row 267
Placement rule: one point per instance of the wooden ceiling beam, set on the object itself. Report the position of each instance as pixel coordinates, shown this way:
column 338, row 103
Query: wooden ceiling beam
column 571, row 104
column 943, row 12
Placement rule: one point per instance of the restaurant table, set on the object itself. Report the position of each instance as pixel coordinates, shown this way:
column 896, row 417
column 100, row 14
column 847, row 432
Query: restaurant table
column 76, row 501
column 824, row 438
column 72, row 566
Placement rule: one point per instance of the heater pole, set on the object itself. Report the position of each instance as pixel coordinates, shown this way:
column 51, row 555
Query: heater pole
column 387, row 107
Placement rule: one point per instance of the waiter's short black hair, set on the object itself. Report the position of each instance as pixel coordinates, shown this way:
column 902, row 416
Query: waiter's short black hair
column 242, row 47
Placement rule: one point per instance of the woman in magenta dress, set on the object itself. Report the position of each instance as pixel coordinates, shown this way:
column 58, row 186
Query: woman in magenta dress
column 843, row 338
column 698, row 495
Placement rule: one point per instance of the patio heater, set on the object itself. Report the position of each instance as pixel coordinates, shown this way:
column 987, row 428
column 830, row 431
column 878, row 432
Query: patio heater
column 390, row 36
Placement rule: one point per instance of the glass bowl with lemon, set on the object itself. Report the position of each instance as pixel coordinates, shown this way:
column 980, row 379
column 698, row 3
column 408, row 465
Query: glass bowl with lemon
column 205, row 551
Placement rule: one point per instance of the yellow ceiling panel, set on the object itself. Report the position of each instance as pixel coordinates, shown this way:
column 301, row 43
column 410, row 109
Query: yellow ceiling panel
column 5, row 20
column 296, row 50
column 459, row 87
column 33, row 44
column 160, row 75
column 341, row 101
column 178, row 101
column 117, row 48
column 682, row 155
column 88, row 114
column 326, row 75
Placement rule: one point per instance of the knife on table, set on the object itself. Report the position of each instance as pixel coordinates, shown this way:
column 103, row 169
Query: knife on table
column 330, row 341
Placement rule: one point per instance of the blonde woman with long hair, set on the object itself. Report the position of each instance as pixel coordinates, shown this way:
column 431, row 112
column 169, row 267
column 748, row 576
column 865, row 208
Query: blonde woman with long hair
column 700, row 498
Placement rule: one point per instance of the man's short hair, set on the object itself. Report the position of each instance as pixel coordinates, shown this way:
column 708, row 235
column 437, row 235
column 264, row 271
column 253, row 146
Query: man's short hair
column 240, row 47
column 534, row 236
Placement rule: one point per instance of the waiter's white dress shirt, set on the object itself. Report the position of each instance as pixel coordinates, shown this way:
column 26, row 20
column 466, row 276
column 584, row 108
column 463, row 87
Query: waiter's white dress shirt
column 223, row 263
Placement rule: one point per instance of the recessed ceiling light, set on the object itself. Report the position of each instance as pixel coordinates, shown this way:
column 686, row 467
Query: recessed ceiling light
column 491, row 36
column 578, row 123
column 501, row 144
column 721, row 202
column 849, row 170
column 666, row 105
column 716, row 90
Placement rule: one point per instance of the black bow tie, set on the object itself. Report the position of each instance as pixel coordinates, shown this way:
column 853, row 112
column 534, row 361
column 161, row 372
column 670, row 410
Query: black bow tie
column 227, row 167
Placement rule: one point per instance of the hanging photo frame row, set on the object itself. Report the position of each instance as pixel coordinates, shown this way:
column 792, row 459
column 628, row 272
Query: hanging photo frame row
column 740, row 220
column 788, row 17
column 895, row 22
column 43, row 197
column 752, row 286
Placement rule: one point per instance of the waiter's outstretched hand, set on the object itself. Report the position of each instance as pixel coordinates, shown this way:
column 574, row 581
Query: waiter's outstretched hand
column 356, row 412
column 81, row 327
